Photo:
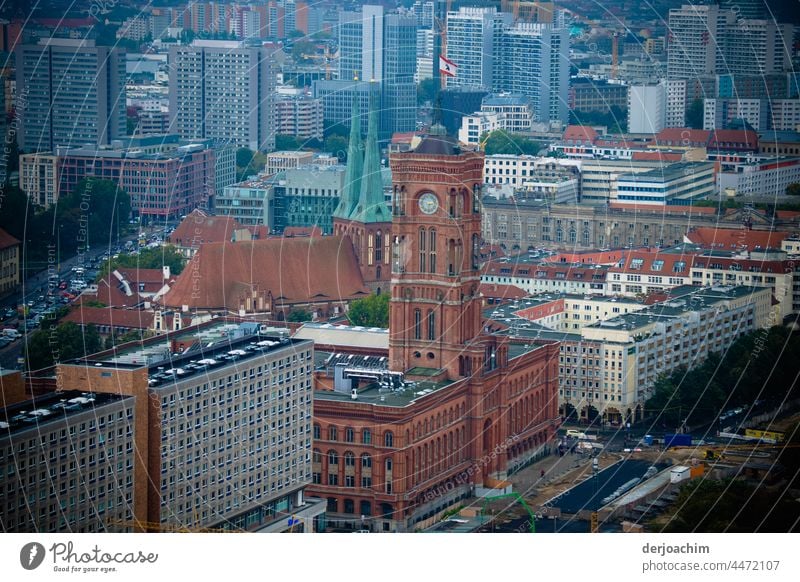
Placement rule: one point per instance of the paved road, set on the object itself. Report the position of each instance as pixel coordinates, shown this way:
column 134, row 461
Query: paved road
column 589, row 494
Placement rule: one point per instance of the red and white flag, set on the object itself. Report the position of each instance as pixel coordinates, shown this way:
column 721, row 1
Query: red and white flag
column 447, row 67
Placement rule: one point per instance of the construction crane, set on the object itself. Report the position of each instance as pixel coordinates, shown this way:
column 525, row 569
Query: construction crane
column 614, row 53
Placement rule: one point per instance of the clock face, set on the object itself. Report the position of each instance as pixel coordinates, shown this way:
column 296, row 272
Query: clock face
column 428, row 203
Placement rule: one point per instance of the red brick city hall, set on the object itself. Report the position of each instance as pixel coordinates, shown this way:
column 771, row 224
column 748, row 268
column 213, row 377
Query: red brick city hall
column 406, row 428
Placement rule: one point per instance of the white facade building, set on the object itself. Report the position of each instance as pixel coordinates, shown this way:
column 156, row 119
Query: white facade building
column 647, row 108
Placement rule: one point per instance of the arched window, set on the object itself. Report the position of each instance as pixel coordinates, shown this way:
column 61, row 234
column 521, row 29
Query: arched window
column 349, row 434
column 317, row 456
column 422, row 241
column 332, row 433
column 417, row 324
column 333, row 457
column 431, row 325
column 388, row 439
column 349, row 459
column 366, row 461
column 378, row 247
column 370, row 248
column 317, row 432
column 432, row 246
column 366, row 436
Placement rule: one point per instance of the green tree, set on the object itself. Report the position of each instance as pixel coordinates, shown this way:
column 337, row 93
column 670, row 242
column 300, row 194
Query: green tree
column 732, row 506
column 303, row 51
column 102, row 209
column 67, row 341
column 372, row 311
column 336, row 145
column 426, row 90
column 501, row 142
column 694, row 115
column 157, row 258
column 793, row 189
column 299, row 316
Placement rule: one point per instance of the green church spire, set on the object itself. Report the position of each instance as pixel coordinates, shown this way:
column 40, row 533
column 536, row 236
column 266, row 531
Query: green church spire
column 371, row 205
column 355, row 164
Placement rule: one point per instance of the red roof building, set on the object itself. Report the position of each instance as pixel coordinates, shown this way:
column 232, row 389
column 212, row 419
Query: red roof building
column 270, row 276
column 736, row 239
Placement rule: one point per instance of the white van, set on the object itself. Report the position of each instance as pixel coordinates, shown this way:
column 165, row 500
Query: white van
column 576, row 434
column 11, row 333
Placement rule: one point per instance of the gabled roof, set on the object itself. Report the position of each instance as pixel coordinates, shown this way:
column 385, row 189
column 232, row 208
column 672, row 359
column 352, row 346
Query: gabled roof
column 295, row 269
column 111, row 293
column 579, row 134
column 500, row 291
column 736, row 238
column 656, row 263
column 199, row 227
column 733, row 139
column 6, row 240
column 109, row 316
column 683, row 137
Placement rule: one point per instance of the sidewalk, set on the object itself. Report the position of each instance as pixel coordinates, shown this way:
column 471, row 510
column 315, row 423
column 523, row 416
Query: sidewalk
column 527, row 480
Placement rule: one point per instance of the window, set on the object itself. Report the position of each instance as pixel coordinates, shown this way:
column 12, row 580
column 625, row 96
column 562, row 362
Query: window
column 679, row 266
column 366, row 436
column 332, row 433
column 316, row 432
column 422, row 241
column 637, row 263
column 366, row 461
column 349, row 435
column 333, row 457
column 432, row 250
column 417, row 324
column 658, row 265
column 388, row 439
column 431, row 325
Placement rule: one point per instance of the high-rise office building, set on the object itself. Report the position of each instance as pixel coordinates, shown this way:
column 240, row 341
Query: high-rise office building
column 725, row 40
column 696, row 40
column 70, row 92
column 471, row 34
column 223, row 90
column 535, row 64
column 382, row 47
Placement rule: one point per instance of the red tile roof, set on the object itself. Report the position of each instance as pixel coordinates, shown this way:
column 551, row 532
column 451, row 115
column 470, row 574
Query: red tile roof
column 6, row 240
column 658, row 156
column 683, row 137
column 129, row 318
column 498, row 291
column 736, row 238
column 646, row 263
column 110, row 293
column 579, row 134
column 294, row 270
column 733, row 139
column 199, row 227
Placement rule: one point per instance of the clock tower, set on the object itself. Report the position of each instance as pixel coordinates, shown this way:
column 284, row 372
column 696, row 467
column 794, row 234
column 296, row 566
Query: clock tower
column 435, row 310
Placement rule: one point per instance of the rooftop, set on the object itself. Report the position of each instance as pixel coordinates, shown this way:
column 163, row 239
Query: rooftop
column 372, row 392
column 51, row 407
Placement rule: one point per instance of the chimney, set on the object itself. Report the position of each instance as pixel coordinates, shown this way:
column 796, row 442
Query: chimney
column 165, row 272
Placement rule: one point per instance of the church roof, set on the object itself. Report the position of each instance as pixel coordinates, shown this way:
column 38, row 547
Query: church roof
column 371, row 206
column 355, row 167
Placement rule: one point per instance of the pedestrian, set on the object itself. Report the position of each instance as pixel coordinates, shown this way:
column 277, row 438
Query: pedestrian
column 541, row 474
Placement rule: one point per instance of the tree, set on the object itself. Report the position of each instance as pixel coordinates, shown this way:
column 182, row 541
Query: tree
column 426, row 90
column 793, row 189
column 249, row 163
column 102, row 209
column 336, row 145
column 303, row 51
column 299, row 316
column 694, row 115
column 372, row 311
column 67, row 341
column 157, row 258
column 501, row 142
